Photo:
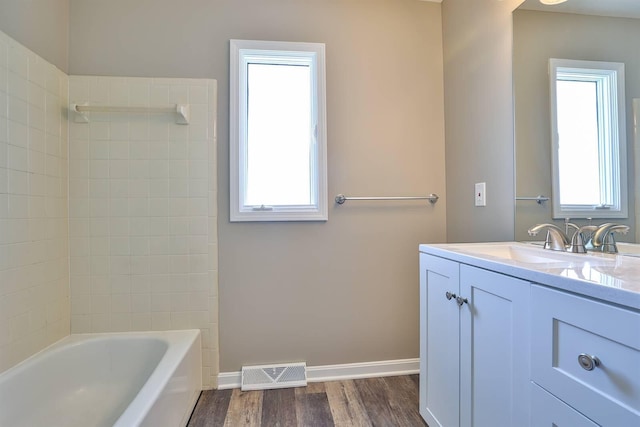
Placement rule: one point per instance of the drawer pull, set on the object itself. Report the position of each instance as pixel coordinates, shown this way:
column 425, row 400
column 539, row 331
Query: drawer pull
column 461, row 301
column 449, row 295
column 588, row 362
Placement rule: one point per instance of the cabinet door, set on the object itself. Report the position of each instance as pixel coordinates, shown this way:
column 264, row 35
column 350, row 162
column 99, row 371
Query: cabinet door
column 439, row 342
column 494, row 349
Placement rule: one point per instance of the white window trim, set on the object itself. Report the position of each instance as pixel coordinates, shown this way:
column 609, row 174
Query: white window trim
column 613, row 74
column 240, row 52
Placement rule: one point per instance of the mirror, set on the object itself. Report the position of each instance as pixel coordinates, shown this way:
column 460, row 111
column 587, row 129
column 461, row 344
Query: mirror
column 587, row 30
column 588, row 124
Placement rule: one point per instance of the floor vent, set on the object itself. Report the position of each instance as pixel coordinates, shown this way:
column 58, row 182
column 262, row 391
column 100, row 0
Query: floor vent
column 265, row 377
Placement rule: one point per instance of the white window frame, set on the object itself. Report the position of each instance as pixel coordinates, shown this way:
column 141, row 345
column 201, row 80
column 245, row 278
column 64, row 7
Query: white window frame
column 243, row 52
column 609, row 78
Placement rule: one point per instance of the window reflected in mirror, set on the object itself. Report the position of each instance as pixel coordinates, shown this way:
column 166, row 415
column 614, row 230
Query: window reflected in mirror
column 588, row 135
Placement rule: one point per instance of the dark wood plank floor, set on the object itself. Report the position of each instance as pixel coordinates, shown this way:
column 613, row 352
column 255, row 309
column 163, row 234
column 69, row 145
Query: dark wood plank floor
column 389, row 401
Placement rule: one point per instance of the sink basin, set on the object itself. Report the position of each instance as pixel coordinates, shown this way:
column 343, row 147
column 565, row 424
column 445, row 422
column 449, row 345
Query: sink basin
column 531, row 254
column 631, row 249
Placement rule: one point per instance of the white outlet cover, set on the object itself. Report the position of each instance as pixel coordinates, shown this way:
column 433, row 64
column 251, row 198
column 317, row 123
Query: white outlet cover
column 481, row 194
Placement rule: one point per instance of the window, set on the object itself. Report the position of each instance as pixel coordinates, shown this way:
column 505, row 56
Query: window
column 277, row 131
column 589, row 139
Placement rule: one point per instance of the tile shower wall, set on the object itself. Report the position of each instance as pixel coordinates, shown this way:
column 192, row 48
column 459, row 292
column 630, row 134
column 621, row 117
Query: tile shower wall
column 142, row 225
column 34, row 272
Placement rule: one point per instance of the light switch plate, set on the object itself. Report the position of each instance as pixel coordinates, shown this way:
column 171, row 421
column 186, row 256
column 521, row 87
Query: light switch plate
column 481, row 194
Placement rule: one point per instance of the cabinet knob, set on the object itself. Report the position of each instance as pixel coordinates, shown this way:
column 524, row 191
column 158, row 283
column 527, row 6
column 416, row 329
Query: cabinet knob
column 588, row 362
column 449, row 295
column 461, row 301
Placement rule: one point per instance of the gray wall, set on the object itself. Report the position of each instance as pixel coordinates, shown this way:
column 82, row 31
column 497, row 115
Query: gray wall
column 40, row 25
column 336, row 292
column 479, row 117
column 568, row 36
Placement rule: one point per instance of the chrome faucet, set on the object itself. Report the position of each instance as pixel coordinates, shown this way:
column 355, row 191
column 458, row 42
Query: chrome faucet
column 568, row 224
column 603, row 239
column 581, row 238
column 556, row 240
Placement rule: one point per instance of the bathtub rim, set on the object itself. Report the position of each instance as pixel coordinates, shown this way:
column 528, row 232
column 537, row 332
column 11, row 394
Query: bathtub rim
column 179, row 343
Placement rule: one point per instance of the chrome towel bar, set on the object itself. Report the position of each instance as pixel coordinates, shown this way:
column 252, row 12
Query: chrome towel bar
column 537, row 199
column 341, row 198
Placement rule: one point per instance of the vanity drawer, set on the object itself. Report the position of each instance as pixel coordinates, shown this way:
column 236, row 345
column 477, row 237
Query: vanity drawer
column 548, row 411
column 564, row 326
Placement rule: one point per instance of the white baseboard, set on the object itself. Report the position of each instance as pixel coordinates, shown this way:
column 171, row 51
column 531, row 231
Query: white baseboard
column 347, row 371
column 350, row 371
column 229, row 380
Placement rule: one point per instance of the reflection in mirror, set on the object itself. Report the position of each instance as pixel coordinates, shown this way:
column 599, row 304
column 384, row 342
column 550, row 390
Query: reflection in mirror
column 539, row 35
column 587, row 125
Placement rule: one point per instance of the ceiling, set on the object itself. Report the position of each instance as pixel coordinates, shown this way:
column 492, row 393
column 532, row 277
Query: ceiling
column 617, row 8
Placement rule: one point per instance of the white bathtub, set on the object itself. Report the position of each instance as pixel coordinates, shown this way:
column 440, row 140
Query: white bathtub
column 115, row 379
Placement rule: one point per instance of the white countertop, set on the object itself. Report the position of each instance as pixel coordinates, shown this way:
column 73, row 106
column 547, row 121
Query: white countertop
column 611, row 278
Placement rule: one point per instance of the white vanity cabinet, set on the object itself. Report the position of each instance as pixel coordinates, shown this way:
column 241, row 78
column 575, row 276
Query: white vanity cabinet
column 512, row 335
column 474, row 346
column 549, row 411
column 587, row 354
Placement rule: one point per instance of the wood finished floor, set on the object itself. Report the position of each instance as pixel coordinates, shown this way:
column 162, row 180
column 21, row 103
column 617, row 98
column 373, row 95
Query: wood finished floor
column 389, row 401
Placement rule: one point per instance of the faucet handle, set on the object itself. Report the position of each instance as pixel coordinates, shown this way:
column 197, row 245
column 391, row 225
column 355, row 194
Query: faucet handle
column 554, row 243
column 603, row 239
column 548, row 241
column 556, row 240
column 609, row 244
column 577, row 244
column 581, row 238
